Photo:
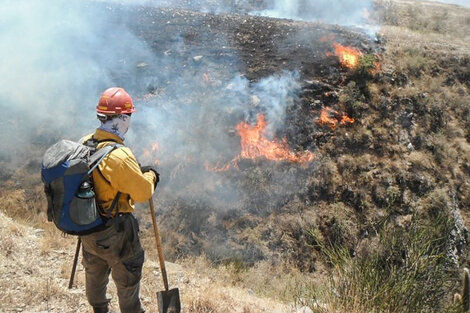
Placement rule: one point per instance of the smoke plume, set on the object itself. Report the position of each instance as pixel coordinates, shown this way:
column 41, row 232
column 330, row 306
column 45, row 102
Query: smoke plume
column 342, row 12
column 57, row 58
column 61, row 55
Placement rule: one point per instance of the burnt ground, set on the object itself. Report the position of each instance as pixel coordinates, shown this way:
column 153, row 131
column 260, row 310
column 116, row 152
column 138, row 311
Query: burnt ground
column 272, row 192
column 359, row 179
column 257, row 46
column 199, row 214
column 388, row 165
column 260, row 46
column 383, row 194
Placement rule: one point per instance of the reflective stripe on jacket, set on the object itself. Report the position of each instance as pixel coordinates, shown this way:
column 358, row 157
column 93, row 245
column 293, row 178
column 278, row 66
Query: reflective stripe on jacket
column 119, row 171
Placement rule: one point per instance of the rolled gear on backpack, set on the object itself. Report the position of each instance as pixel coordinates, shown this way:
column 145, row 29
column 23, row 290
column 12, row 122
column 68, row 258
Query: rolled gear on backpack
column 66, row 173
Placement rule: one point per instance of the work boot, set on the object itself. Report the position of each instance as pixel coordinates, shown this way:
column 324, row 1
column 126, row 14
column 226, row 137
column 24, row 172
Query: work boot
column 101, row 309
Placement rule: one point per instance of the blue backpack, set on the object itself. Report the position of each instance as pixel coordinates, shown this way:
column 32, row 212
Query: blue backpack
column 66, row 173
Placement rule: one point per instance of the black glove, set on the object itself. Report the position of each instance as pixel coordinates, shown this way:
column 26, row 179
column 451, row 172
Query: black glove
column 153, row 169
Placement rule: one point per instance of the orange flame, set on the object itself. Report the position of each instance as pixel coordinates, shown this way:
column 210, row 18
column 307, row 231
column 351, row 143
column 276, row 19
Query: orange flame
column 333, row 118
column 348, row 56
column 217, row 167
column 327, row 38
column 149, row 154
column 377, row 68
column 254, row 144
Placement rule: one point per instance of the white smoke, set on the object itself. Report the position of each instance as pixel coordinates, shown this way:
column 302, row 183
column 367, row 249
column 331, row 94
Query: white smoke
column 341, row 12
column 195, row 126
column 57, row 57
column 60, row 55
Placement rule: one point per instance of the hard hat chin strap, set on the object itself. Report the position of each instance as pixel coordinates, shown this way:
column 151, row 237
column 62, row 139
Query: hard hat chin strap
column 116, row 124
column 103, row 117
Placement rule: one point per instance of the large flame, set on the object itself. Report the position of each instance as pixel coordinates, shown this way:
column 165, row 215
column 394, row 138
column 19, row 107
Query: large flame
column 333, row 118
column 348, row 56
column 254, row 144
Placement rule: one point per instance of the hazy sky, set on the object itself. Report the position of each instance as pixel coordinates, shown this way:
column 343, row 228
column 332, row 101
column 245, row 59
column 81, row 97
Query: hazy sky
column 460, row 2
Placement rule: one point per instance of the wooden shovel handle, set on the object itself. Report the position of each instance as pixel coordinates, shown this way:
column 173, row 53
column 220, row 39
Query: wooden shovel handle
column 75, row 260
column 159, row 245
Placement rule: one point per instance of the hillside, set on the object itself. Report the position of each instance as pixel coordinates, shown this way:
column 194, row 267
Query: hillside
column 362, row 207
column 36, row 263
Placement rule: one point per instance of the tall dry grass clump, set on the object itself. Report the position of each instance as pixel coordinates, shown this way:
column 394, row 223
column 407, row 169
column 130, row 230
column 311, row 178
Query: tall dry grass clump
column 405, row 270
column 13, row 203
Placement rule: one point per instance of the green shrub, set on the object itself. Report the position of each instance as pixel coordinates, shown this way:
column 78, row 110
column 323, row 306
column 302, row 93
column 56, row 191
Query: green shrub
column 353, row 99
column 367, row 64
column 408, row 272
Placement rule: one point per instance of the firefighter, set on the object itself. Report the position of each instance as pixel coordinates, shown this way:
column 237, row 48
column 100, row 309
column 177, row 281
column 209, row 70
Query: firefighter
column 116, row 250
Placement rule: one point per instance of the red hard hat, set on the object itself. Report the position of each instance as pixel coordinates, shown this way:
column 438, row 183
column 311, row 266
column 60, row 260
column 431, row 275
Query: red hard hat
column 115, row 100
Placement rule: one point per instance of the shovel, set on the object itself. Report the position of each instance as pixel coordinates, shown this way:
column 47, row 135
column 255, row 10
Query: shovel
column 168, row 300
column 74, row 266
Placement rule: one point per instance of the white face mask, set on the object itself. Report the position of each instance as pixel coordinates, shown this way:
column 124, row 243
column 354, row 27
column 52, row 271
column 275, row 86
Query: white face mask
column 117, row 125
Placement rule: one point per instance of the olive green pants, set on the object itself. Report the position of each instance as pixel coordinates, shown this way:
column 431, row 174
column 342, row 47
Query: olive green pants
column 115, row 250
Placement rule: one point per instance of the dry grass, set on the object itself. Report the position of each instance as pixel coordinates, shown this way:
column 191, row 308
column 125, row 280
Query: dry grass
column 14, row 204
column 342, row 239
column 406, row 271
column 35, row 267
column 218, row 299
column 426, row 18
column 24, row 205
column 31, row 281
column 227, row 288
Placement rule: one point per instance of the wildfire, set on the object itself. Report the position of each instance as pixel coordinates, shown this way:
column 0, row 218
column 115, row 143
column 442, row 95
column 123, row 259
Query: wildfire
column 333, row 118
column 217, row 167
column 377, row 68
column 149, row 154
column 254, row 144
column 329, row 38
column 348, row 56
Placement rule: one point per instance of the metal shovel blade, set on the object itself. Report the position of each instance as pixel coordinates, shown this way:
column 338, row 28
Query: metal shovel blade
column 169, row 301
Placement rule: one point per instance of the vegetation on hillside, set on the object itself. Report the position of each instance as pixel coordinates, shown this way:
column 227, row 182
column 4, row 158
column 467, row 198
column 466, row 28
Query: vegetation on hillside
column 379, row 225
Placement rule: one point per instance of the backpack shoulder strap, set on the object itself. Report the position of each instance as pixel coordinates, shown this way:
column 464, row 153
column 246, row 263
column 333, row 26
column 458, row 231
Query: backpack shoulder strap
column 92, row 143
column 105, row 140
column 100, row 154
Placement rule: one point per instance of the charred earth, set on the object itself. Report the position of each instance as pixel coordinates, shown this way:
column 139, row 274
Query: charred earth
column 297, row 147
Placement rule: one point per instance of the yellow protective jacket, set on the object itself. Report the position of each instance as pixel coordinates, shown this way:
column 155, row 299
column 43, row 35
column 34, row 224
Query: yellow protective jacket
column 119, row 171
